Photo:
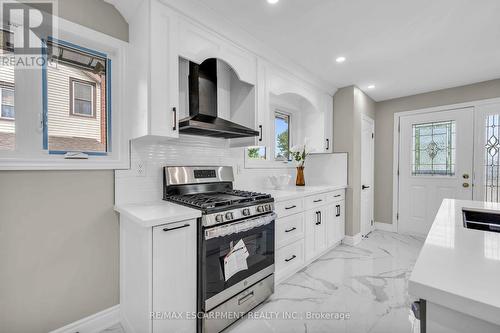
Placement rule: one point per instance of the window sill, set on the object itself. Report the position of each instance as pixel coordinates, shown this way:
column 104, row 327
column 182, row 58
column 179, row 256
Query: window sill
column 60, row 163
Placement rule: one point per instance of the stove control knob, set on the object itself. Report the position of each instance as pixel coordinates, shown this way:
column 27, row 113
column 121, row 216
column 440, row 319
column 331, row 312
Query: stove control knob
column 260, row 209
column 219, row 218
column 229, row 216
column 246, row 212
column 268, row 208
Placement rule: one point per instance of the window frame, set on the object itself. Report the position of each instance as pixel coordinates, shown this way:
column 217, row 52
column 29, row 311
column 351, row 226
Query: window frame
column 280, row 114
column 72, row 98
column 6, row 86
column 30, row 152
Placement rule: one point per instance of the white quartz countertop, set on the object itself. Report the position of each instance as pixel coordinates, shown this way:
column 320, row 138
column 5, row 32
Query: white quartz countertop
column 295, row 192
column 151, row 214
column 459, row 268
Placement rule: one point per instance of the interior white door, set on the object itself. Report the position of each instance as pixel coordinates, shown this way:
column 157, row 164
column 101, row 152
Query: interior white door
column 367, row 171
column 487, row 153
column 435, row 162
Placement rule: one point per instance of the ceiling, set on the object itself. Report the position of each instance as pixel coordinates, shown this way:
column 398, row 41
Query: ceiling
column 403, row 47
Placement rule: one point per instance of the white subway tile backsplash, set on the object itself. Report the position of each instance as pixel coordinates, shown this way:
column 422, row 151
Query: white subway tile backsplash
column 135, row 187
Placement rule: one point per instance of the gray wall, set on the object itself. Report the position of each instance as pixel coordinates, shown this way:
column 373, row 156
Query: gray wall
column 59, row 235
column 384, row 129
column 349, row 104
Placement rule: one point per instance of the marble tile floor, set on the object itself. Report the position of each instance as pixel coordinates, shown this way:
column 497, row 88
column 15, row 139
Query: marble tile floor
column 366, row 284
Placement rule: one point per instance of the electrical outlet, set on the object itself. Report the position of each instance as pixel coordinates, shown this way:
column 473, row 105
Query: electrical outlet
column 140, row 169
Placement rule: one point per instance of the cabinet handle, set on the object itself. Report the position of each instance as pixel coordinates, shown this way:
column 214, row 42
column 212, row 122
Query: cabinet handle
column 174, row 110
column 181, row 227
column 245, row 298
column 291, row 207
column 260, row 130
column 327, row 144
column 293, row 257
column 338, row 211
column 290, row 230
column 318, row 218
column 319, row 200
column 338, row 196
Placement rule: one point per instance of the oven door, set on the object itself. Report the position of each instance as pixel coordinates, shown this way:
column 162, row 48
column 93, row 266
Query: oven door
column 219, row 282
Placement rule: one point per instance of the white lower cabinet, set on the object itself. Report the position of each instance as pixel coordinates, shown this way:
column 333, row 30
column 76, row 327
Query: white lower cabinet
column 289, row 259
column 307, row 229
column 158, row 276
column 174, row 275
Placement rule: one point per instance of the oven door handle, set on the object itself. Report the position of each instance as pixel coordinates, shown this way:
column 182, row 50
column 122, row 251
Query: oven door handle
column 240, row 226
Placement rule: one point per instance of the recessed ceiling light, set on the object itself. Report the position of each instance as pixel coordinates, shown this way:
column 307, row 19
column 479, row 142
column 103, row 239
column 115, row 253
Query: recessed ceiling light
column 371, row 86
column 272, row 2
column 340, row 59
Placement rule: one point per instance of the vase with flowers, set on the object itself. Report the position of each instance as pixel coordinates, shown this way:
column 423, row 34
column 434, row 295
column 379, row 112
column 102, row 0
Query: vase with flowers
column 299, row 155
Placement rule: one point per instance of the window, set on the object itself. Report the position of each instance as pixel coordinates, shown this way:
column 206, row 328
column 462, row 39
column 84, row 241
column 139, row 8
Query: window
column 76, row 100
column 82, row 96
column 434, row 149
column 282, row 136
column 256, row 153
column 492, row 158
column 7, row 112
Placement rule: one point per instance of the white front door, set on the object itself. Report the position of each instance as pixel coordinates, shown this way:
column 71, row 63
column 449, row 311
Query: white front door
column 435, row 162
column 367, row 170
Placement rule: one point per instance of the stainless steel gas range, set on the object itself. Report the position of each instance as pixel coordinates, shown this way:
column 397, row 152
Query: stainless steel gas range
column 235, row 242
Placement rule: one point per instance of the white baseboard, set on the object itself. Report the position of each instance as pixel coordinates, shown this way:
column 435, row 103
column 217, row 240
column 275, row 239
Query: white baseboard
column 94, row 323
column 385, row 227
column 352, row 240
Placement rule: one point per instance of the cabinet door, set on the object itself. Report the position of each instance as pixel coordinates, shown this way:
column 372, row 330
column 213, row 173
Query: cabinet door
column 164, row 69
column 320, row 232
column 332, row 229
column 328, row 106
column 174, row 275
column 340, row 219
column 311, row 219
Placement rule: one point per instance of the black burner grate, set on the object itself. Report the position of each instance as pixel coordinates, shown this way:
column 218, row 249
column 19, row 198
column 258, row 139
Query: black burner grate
column 220, row 199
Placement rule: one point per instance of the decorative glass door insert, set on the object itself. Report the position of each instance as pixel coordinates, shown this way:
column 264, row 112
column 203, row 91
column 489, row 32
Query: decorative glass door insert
column 434, row 150
column 492, row 158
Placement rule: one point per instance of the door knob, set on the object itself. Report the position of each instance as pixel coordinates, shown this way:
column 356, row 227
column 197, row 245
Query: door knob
column 466, row 176
column 466, row 185
column 364, row 187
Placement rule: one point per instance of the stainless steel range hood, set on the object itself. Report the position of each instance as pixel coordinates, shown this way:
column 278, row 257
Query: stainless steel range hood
column 203, row 119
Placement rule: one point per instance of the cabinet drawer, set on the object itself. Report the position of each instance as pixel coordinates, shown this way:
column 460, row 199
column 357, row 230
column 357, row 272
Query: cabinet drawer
column 289, row 258
column 289, row 207
column 335, row 196
column 289, row 228
column 315, row 201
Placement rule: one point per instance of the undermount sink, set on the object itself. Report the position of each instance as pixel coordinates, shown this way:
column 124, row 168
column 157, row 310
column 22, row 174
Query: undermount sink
column 481, row 220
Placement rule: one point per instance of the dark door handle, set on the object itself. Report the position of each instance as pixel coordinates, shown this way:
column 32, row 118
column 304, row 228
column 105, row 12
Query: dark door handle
column 327, row 144
column 290, row 230
column 181, row 227
column 338, row 211
column 291, row 207
column 316, row 201
column 174, row 110
column 318, row 218
column 364, row 187
column 293, row 257
column 260, row 130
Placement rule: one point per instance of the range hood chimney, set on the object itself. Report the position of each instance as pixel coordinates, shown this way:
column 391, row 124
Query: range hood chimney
column 203, row 119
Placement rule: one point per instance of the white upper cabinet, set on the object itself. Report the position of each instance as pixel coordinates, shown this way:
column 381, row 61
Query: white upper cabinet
column 198, row 44
column 153, row 64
